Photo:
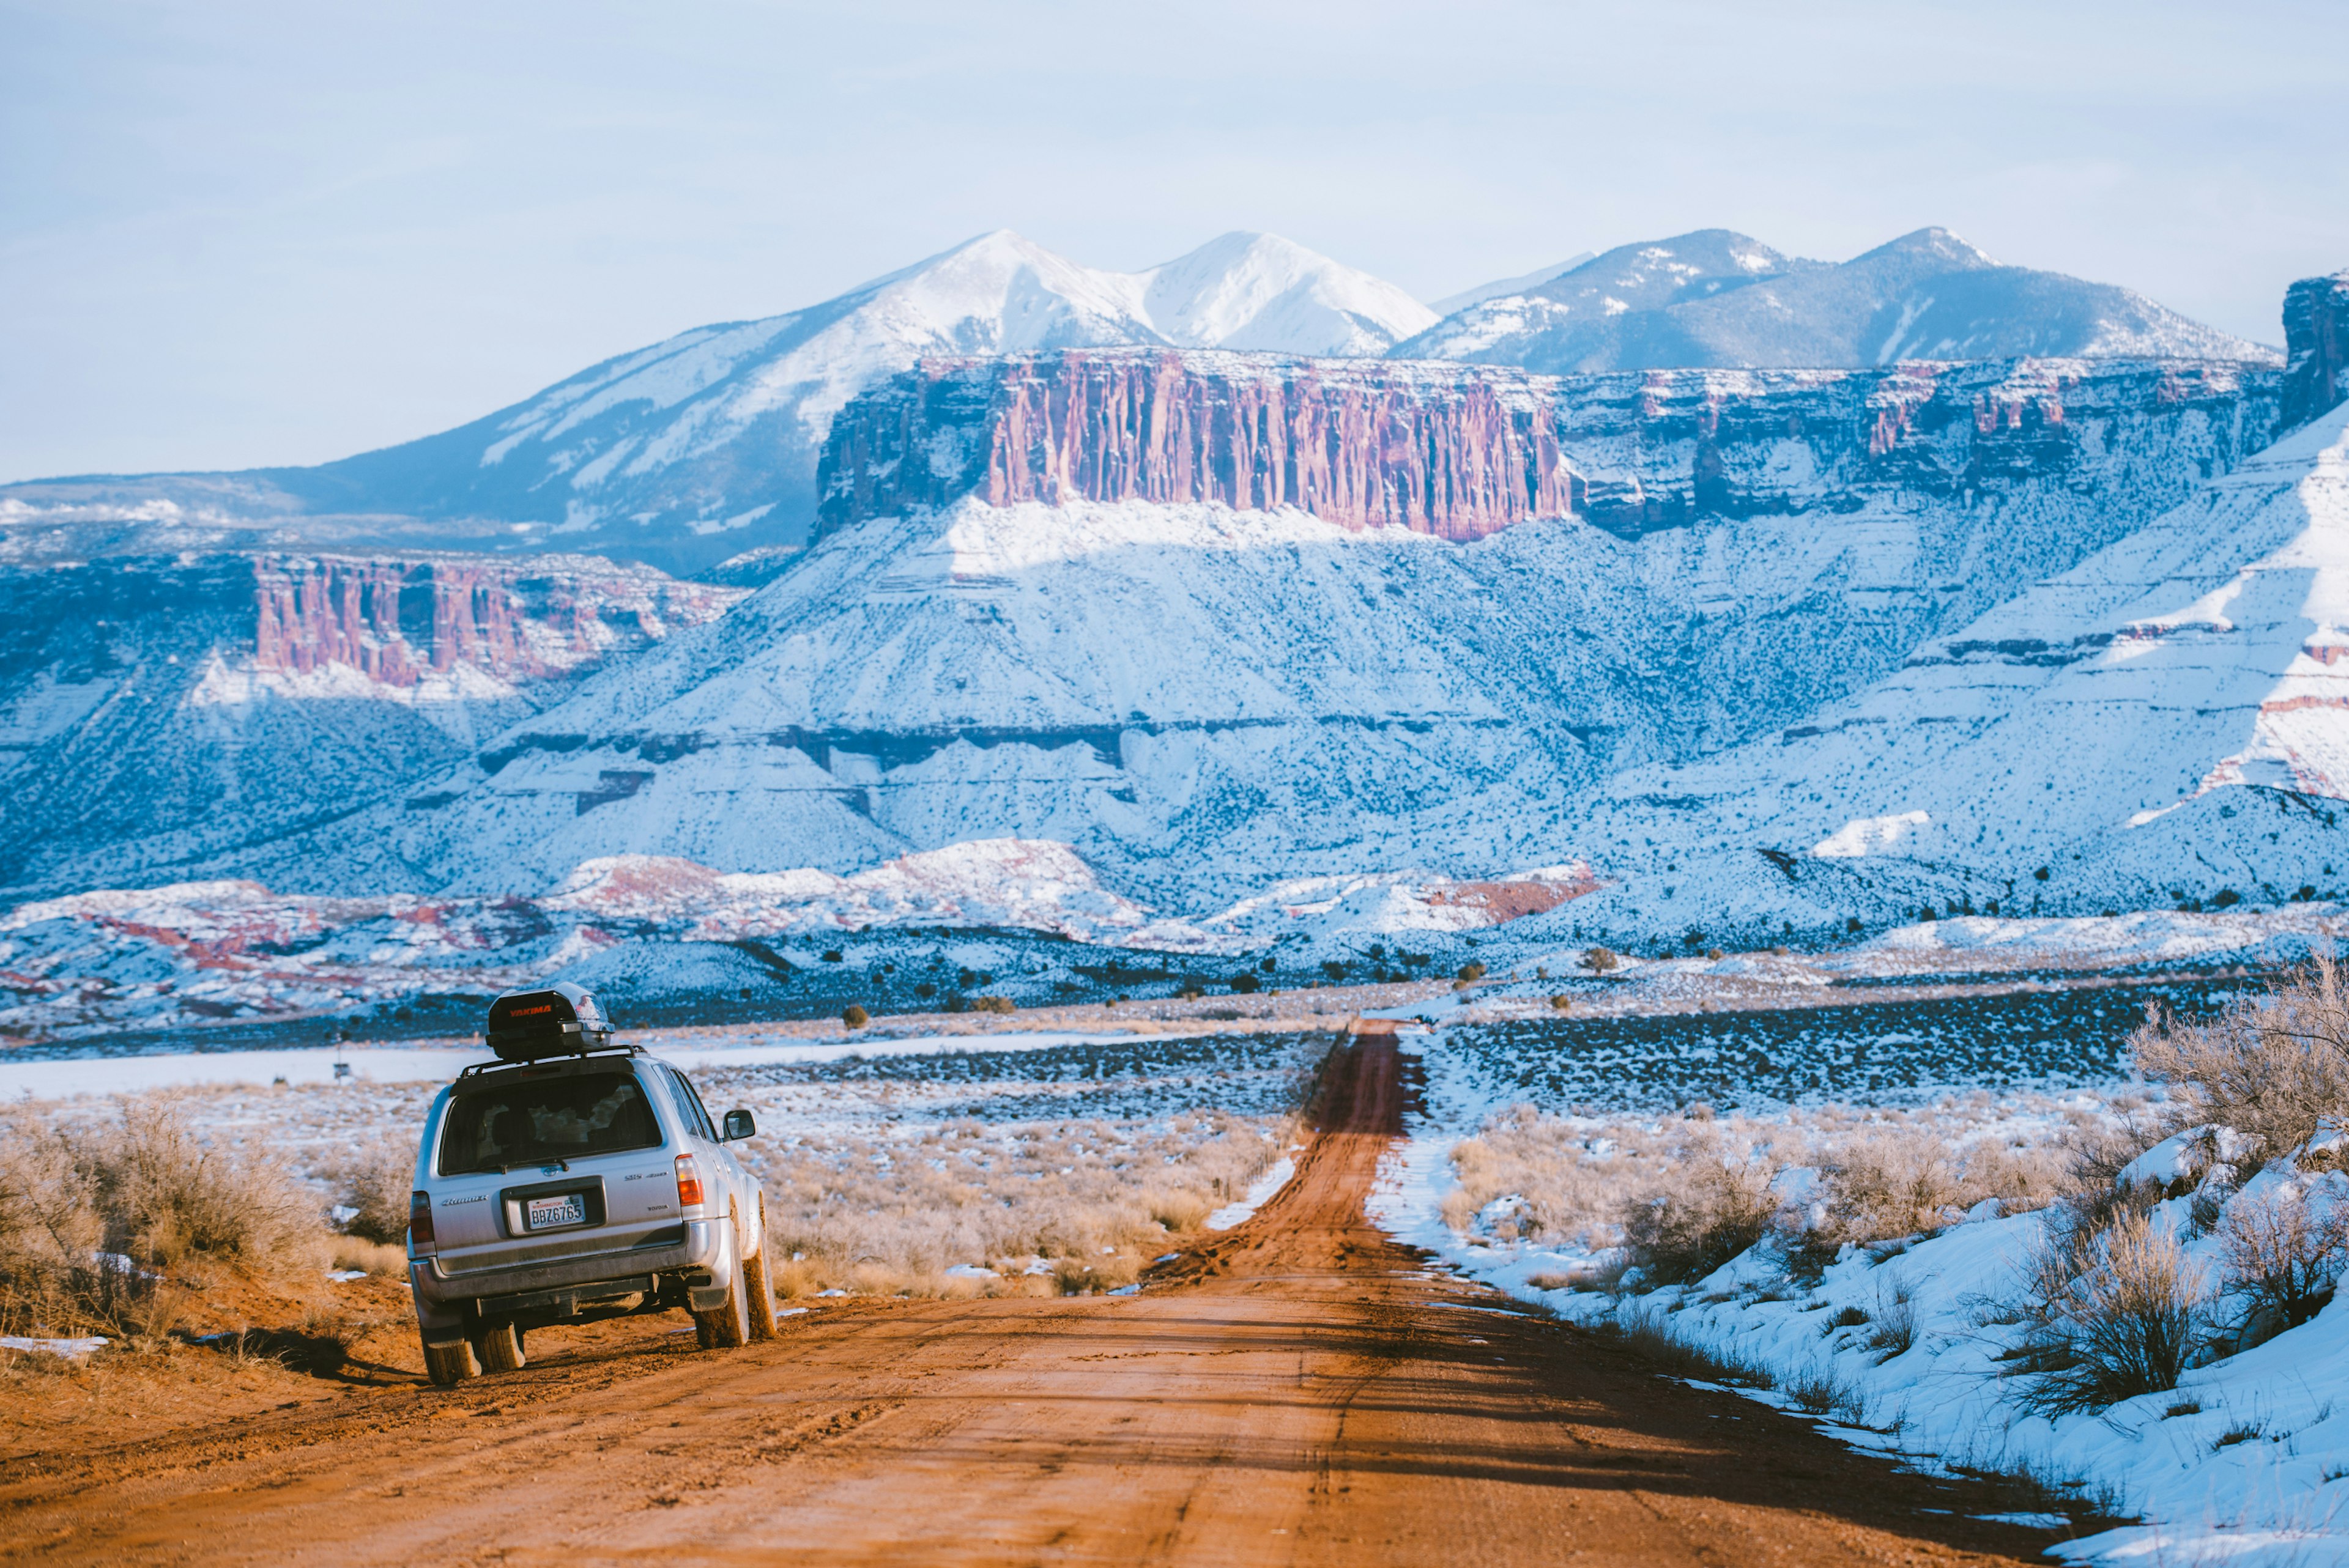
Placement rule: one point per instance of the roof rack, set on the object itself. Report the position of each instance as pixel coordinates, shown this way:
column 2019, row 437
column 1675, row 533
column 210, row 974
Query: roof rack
column 608, row 1049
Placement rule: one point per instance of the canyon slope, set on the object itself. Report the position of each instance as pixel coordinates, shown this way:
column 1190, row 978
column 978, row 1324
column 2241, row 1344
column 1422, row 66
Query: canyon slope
column 1217, row 620
column 703, row 446
column 1716, row 298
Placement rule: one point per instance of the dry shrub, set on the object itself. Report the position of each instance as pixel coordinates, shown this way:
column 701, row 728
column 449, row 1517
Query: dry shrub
column 89, row 1217
column 2269, row 1066
column 1886, row 1173
column 1538, row 1172
column 2021, row 1177
column 368, row 1257
column 1086, row 1204
column 1910, row 1178
column 376, row 1180
column 1892, row 1182
column 2122, row 1325
column 2283, row 1258
column 51, row 1279
column 2090, row 1200
column 1712, row 1212
column 164, row 1195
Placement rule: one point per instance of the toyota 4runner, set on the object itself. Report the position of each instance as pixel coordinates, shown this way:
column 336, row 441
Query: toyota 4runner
column 574, row 1180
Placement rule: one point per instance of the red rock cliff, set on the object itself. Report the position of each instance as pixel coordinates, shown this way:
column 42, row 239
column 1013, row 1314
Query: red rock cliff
column 1459, row 455
column 1464, row 450
column 393, row 620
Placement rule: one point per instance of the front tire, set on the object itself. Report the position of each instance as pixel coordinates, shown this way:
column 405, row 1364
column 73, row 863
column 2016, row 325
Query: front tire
column 728, row 1326
column 499, row 1348
column 449, row 1365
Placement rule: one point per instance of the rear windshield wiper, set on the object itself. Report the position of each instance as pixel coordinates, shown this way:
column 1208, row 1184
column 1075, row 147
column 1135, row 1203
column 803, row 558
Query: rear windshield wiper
column 556, row 1161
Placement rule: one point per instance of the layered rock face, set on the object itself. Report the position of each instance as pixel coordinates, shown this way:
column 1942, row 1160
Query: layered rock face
column 398, row 621
column 1461, row 452
column 1452, row 452
column 2316, row 340
column 154, row 710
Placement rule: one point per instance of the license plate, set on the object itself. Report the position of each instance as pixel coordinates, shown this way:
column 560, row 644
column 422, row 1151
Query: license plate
column 546, row 1213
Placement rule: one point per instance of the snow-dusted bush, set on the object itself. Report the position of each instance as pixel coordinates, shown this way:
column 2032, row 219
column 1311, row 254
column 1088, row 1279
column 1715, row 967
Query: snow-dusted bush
column 2283, row 1256
column 2123, row 1326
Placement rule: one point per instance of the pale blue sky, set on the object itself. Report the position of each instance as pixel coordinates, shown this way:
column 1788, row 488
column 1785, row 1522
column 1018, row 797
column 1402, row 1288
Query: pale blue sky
column 238, row 233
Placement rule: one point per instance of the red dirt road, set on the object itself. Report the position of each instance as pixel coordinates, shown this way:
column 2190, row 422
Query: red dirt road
column 1298, row 1390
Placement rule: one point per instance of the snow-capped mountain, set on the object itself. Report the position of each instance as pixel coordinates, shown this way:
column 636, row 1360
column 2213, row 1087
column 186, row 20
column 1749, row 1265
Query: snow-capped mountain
column 1262, row 292
column 1715, row 297
column 1207, row 684
column 703, row 446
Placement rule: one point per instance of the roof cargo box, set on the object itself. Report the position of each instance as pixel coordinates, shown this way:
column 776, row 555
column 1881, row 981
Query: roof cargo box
column 557, row 1020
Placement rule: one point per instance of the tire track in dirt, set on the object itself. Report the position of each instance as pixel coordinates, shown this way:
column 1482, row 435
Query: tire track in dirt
column 1297, row 1391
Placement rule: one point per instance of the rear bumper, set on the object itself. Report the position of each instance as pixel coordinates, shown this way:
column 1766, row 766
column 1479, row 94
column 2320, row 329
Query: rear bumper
column 442, row 1297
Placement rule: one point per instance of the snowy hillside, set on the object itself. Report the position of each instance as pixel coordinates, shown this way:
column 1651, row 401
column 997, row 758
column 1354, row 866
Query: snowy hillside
column 700, row 447
column 1522, row 284
column 1714, row 298
column 2166, row 723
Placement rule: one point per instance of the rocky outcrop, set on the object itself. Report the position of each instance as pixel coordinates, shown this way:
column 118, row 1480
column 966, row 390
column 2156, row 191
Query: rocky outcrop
column 1461, row 452
column 1446, row 451
column 395, row 621
column 2316, row 341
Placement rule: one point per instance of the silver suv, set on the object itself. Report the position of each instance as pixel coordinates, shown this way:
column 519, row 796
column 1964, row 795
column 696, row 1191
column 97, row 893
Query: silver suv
column 558, row 1188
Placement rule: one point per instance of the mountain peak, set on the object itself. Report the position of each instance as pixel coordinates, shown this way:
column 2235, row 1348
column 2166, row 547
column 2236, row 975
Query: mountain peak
column 1248, row 290
column 1933, row 243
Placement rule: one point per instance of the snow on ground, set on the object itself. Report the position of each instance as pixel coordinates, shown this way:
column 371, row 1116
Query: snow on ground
column 61, row 1077
column 1258, row 1196
column 1897, row 1349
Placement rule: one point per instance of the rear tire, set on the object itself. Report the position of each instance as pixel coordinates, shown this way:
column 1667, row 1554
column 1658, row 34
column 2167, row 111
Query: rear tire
column 499, row 1348
column 729, row 1325
column 762, row 1297
column 449, row 1365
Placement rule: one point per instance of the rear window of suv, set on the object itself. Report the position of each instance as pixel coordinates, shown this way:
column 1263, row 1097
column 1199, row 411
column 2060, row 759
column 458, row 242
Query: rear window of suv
column 567, row 1118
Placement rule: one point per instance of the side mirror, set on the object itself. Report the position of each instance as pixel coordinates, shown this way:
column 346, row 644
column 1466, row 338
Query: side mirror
column 737, row 1125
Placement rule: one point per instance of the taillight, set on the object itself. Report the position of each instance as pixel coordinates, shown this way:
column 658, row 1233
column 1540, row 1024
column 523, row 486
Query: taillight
column 688, row 1182
column 420, row 1223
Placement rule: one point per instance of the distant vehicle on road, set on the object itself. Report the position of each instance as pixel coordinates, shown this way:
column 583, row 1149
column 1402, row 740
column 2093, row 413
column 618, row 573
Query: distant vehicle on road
column 573, row 1180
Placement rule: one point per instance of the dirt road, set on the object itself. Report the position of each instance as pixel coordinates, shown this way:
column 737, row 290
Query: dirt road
column 1297, row 1391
